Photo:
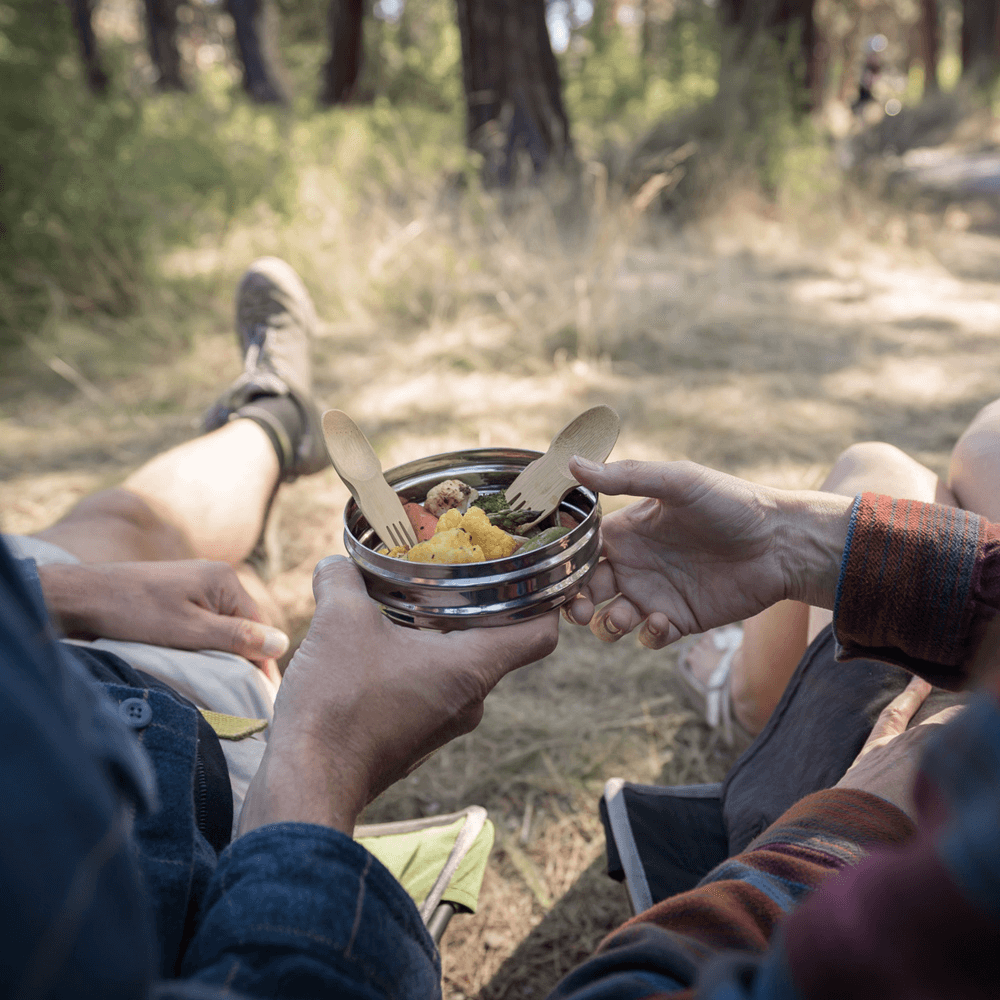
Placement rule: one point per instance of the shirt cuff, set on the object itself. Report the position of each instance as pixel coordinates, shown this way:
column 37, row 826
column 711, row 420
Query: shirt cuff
column 918, row 584
column 299, row 902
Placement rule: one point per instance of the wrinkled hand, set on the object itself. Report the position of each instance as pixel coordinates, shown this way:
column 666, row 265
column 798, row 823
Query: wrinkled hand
column 363, row 701
column 183, row 604
column 888, row 762
column 704, row 549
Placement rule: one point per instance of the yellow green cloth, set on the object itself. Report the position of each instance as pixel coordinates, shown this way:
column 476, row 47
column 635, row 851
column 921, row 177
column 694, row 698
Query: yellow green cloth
column 417, row 858
column 233, row 727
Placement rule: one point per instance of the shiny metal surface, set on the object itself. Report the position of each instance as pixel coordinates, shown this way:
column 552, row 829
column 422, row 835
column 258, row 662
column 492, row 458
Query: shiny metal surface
column 470, row 595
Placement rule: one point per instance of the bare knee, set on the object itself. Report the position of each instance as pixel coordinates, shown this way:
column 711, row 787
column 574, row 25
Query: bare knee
column 859, row 461
column 987, row 418
column 974, row 470
column 877, row 467
column 119, row 504
column 981, row 438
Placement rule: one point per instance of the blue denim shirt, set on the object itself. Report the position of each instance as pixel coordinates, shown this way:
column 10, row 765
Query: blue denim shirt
column 110, row 890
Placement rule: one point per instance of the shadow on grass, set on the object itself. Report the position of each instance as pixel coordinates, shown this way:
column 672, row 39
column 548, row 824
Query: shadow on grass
column 593, row 907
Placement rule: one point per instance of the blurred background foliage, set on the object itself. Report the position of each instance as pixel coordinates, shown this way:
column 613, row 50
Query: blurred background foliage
column 621, row 78
column 69, row 231
column 96, row 190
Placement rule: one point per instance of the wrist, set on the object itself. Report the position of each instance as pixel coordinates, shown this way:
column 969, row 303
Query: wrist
column 811, row 535
column 69, row 591
column 299, row 781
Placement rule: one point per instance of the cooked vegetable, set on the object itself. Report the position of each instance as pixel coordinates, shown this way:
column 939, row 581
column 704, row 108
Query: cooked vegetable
column 548, row 535
column 456, row 525
column 498, row 510
column 424, row 523
column 449, row 546
column 452, row 494
column 495, row 543
column 493, row 503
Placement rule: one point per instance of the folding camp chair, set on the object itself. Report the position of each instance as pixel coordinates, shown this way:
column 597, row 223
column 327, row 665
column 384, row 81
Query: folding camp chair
column 440, row 861
column 662, row 840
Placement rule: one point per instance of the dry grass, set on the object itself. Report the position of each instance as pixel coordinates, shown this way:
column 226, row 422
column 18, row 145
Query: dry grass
column 450, row 323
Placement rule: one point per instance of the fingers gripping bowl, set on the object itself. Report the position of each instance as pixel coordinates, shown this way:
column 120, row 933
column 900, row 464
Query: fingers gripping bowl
column 469, row 595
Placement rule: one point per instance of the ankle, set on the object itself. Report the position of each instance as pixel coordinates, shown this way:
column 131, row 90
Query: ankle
column 282, row 421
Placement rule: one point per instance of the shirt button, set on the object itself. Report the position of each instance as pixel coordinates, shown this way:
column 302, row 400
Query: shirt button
column 135, row 712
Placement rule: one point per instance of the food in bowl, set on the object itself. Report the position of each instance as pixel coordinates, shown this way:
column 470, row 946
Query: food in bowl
column 455, row 524
column 539, row 576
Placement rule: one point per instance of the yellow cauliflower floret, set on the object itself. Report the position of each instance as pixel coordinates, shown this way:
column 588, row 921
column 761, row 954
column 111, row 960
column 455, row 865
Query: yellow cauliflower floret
column 449, row 546
column 494, row 541
column 448, row 520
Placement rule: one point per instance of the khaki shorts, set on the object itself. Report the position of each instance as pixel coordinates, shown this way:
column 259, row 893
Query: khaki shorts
column 218, row 682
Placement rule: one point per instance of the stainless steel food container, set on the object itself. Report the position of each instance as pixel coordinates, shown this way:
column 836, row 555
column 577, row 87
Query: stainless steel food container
column 468, row 595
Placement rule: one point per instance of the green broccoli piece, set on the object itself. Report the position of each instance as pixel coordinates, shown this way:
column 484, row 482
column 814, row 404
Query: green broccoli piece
column 492, row 503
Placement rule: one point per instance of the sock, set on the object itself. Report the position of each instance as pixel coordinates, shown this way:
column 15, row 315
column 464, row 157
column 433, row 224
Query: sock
column 281, row 420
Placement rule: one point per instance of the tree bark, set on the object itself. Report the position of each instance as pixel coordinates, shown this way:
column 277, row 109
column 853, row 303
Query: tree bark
column 512, row 87
column 980, row 49
column 848, row 53
column 161, row 24
column 345, row 27
column 82, row 11
column 255, row 40
column 930, row 43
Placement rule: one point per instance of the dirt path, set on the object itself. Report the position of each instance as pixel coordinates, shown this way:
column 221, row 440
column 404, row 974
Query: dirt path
column 735, row 345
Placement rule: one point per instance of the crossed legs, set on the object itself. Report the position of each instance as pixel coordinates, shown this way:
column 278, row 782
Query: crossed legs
column 204, row 499
column 209, row 498
column 775, row 640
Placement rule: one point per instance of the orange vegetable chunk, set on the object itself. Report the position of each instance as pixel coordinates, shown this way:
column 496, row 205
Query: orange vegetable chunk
column 424, row 524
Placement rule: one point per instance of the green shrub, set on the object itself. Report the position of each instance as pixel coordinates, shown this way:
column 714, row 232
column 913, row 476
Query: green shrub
column 67, row 230
column 93, row 187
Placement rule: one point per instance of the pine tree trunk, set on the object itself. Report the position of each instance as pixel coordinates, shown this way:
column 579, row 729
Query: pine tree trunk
column 512, row 87
column 161, row 25
column 930, row 39
column 345, row 27
column 980, row 49
column 82, row 11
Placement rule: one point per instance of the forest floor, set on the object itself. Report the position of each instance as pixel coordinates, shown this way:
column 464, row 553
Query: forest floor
column 747, row 343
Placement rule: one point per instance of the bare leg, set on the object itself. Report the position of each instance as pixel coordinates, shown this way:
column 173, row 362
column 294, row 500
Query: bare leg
column 775, row 640
column 974, row 473
column 204, row 499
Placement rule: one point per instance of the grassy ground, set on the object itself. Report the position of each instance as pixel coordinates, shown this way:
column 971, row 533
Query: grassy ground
column 760, row 342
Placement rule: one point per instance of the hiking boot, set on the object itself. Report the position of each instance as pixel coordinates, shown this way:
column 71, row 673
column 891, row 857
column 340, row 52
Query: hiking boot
column 275, row 321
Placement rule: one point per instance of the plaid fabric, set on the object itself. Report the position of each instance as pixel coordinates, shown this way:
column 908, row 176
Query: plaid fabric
column 918, row 583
